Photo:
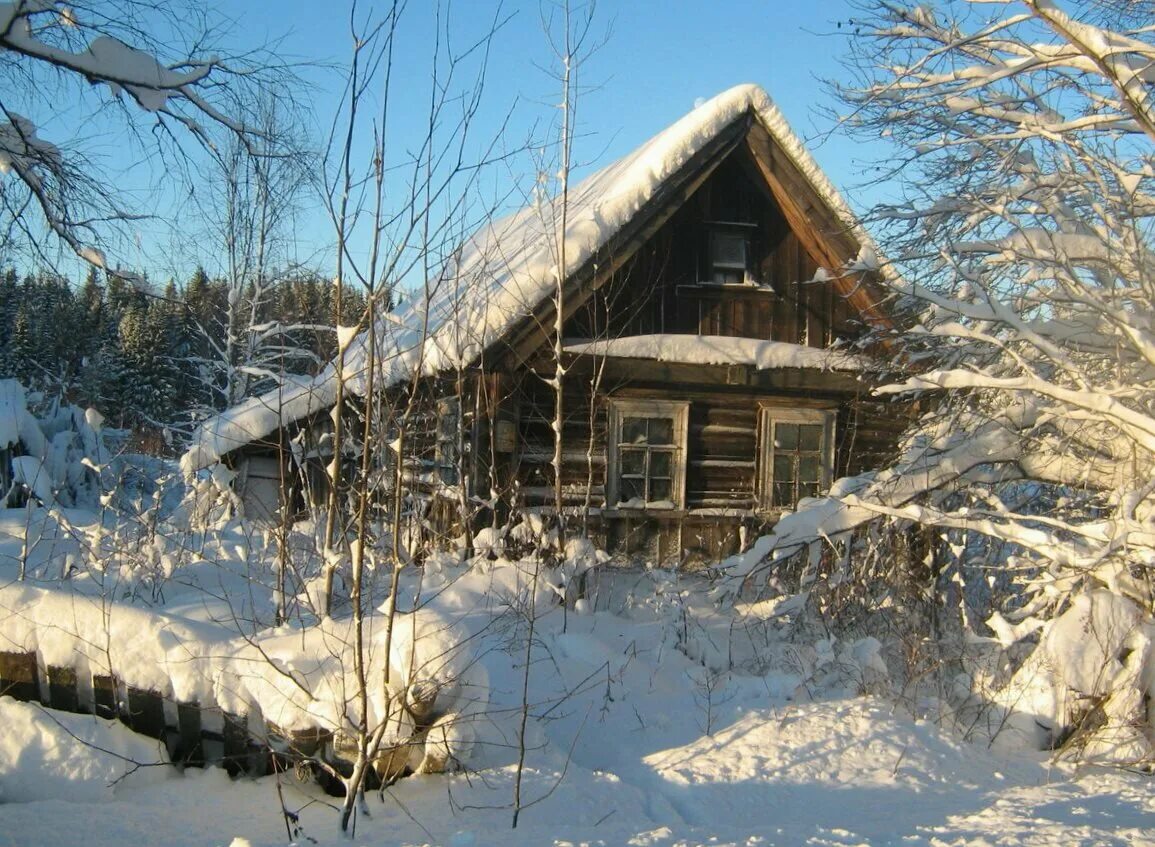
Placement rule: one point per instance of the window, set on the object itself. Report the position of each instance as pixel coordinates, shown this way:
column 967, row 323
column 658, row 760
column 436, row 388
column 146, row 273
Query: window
column 797, row 455
column 448, row 447
column 729, row 253
column 647, row 446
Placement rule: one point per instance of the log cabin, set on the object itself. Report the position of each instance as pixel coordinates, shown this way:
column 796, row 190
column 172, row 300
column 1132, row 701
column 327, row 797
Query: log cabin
column 714, row 288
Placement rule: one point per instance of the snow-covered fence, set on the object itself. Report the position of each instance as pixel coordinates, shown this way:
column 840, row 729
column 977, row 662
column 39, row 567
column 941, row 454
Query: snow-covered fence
column 283, row 692
column 193, row 733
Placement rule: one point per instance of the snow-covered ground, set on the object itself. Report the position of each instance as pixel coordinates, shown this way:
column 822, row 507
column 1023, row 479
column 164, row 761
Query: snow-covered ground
column 639, row 735
column 841, row 772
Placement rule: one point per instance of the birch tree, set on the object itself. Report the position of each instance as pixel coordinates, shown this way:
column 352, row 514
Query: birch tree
column 397, row 211
column 249, row 202
column 1023, row 247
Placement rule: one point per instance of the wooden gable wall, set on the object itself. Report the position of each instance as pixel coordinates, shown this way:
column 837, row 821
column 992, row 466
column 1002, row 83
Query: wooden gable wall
column 665, row 287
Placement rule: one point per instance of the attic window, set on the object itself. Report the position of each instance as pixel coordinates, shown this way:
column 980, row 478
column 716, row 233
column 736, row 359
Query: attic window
column 647, row 454
column 797, row 455
column 729, row 256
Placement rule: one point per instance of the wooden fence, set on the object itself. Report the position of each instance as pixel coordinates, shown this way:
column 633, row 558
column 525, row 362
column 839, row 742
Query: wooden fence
column 195, row 734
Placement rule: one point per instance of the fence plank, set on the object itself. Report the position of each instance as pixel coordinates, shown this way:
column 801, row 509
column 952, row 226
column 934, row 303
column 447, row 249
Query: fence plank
column 236, row 742
column 145, row 713
column 191, row 750
column 62, row 693
column 19, row 677
column 105, row 697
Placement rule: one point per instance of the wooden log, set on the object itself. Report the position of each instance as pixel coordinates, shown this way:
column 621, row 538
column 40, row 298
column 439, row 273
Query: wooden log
column 62, row 692
column 19, row 677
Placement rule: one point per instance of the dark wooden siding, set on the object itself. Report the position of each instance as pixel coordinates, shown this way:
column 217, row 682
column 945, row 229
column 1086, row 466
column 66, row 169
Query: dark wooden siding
column 722, row 440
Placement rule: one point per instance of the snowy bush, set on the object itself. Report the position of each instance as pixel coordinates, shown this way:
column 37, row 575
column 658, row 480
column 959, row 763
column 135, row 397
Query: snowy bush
column 55, row 452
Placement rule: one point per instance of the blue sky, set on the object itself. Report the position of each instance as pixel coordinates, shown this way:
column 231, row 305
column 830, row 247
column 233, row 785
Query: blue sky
column 657, row 59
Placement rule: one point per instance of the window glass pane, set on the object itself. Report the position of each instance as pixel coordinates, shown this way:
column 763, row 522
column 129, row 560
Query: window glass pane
column 647, row 459
column 809, row 468
column 785, row 436
column 632, row 489
column 810, row 437
column 633, row 430
column 783, row 468
column 797, row 461
column 729, row 250
column 783, row 494
column 661, row 431
column 634, row 462
column 661, row 463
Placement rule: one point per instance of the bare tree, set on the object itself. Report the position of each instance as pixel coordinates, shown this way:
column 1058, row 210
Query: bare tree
column 250, row 200
column 389, row 229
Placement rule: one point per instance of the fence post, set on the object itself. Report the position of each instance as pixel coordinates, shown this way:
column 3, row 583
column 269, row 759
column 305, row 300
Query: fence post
column 145, row 713
column 188, row 720
column 104, row 696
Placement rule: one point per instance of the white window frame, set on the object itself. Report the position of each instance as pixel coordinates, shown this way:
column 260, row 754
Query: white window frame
column 768, row 416
column 678, row 412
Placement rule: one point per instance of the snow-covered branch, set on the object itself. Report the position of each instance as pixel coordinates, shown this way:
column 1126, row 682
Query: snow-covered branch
column 1024, row 251
column 169, row 104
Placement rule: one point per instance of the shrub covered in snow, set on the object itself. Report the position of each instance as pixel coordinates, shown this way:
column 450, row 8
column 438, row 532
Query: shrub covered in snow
column 53, row 451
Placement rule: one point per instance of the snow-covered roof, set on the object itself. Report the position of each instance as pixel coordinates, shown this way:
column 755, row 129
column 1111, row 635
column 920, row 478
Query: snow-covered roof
column 720, row 350
column 507, row 269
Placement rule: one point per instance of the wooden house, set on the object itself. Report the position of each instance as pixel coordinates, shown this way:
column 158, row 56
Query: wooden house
column 713, row 284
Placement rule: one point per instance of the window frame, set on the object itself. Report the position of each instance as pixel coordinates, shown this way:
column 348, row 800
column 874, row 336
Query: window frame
column 768, row 416
column 678, row 412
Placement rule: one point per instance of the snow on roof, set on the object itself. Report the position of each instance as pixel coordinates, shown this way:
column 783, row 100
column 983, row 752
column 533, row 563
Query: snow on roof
column 720, row 350
column 508, row 268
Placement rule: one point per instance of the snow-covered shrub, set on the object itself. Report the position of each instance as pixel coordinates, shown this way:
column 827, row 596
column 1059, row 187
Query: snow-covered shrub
column 1086, row 687
column 209, row 499
column 54, row 450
